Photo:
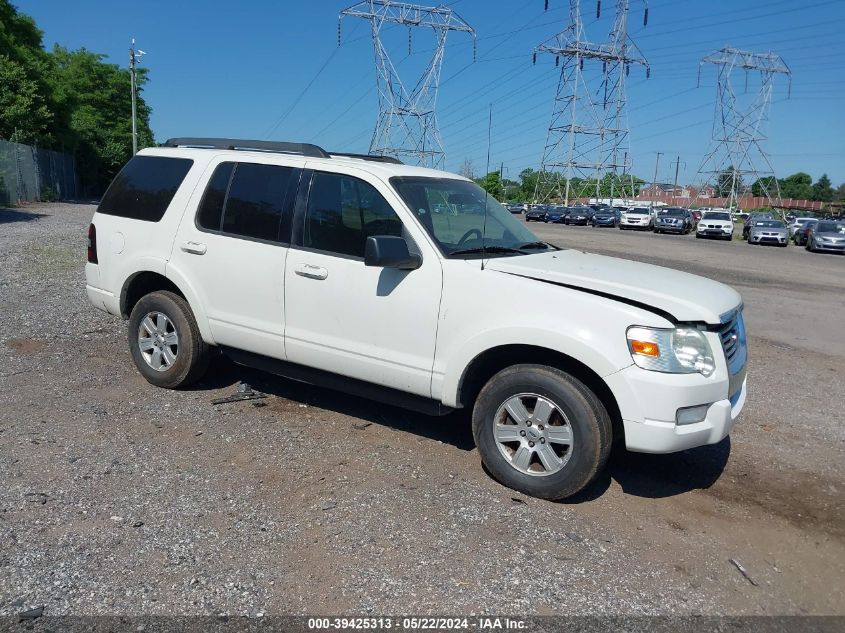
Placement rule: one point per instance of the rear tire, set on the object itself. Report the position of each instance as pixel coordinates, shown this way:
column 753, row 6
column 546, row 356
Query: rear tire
column 554, row 406
column 165, row 341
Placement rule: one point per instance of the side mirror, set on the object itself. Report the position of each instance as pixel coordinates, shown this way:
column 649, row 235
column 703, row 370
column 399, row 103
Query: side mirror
column 387, row 251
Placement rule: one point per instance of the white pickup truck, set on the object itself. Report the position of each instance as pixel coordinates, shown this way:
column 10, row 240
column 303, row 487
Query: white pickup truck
column 413, row 287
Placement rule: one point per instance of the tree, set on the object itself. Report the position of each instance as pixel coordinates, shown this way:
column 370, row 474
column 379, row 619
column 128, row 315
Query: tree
column 797, row 186
column 764, row 186
column 839, row 194
column 492, row 184
column 730, row 180
column 24, row 115
column 527, row 183
column 822, row 189
column 72, row 101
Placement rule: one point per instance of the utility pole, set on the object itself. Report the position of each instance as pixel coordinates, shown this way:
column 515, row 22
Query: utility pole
column 677, row 167
column 407, row 122
column 654, row 180
column 134, row 58
column 738, row 137
column 588, row 133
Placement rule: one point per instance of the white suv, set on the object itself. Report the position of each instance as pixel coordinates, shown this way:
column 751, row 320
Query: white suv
column 636, row 218
column 412, row 286
column 716, row 224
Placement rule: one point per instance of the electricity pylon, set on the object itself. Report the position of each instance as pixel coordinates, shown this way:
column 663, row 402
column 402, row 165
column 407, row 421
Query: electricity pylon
column 736, row 156
column 407, row 123
column 587, row 141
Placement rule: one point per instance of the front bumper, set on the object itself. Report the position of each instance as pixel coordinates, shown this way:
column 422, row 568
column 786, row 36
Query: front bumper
column 768, row 239
column 649, row 401
column 627, row 224
column 656, row 436
column 833, row 248
column 670, row 228
column 718, row 232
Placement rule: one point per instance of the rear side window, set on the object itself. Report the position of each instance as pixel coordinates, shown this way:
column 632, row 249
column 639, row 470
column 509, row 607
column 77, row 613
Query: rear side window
column 144, row 187
column 246, row 199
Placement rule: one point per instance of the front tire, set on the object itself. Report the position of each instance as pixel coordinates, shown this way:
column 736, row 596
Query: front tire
column 541, row 431
column 165, row 341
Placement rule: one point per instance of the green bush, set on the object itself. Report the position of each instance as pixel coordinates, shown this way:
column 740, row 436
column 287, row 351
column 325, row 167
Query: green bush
column 48, row 194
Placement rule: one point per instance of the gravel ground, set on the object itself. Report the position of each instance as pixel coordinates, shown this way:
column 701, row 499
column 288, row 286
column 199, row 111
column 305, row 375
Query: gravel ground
column 120, row 498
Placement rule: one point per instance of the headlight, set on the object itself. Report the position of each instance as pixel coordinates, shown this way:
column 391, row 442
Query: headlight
column 680, row 350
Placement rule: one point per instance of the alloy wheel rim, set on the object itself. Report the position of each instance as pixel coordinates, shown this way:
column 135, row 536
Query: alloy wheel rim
column 158, row 341
column 533, row 434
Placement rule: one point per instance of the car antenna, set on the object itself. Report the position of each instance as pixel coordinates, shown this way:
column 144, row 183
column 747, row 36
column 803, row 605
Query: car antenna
column 486, row 193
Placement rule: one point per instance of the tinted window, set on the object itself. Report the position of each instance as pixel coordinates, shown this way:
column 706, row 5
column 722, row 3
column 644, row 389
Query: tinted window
column 343, row 212
column 245, row 199
column 144, row 187
column 255, row 203
column 210, row 213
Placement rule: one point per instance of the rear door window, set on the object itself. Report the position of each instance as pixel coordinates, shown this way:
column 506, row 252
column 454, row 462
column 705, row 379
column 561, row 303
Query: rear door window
column 247, row 200
column 145, row 187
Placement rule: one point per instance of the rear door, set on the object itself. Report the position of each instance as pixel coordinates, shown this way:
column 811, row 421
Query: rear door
column 231, row 248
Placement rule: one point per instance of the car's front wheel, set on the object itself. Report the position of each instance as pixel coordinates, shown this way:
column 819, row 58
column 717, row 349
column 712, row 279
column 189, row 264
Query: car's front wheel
column 165, row 342
column 541, row 431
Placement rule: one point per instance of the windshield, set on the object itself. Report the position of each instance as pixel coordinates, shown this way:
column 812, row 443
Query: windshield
column 771, row 224
column 830, row 227
column 637, row 211
column 452, row 212
column 716, row 216
column 673, row 212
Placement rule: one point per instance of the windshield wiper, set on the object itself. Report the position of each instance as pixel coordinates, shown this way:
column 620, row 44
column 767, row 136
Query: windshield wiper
column 532, row 245
column 487, row 249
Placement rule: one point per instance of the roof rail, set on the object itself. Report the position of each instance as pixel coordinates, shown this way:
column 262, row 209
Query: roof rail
column 305, row 149
column 376, row 158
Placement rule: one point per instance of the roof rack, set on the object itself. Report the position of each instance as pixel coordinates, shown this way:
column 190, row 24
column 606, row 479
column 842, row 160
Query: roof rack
column 376, row 158
column 304, row 149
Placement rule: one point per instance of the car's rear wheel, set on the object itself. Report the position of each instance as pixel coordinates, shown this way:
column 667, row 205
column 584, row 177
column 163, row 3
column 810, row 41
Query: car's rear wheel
column 541, row 431
column 165, row 342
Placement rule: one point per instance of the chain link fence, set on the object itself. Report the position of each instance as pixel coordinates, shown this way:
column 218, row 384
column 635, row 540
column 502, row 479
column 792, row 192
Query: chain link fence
column 31, row 174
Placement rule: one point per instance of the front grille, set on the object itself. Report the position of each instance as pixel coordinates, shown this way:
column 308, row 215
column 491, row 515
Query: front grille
column 732, row 335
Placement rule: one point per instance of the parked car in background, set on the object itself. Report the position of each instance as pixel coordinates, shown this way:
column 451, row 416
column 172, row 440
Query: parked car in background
column 715, row 224
column 751, row 220
column 636, row 218
column 579, row 216
column 556, row 215
column 696, row 216
column 516, row 209
column 827, row 236
column 604, row 217
column 673, row 220
column 801, row 236
column 797, row 223
column 537, row 214
column 768, row 232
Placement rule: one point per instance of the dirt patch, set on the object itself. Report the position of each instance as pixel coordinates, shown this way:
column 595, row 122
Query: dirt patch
column 26, row 346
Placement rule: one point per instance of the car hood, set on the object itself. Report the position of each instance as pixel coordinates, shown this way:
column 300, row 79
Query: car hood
column 768, row 229
column 684, row 296
column 716, row 222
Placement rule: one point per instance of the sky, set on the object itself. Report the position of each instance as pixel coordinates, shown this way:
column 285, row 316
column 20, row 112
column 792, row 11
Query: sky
column 273, row 69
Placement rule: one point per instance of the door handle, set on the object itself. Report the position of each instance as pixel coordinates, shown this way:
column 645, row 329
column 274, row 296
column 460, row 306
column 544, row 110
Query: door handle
column 197, row 248
column 311, row 271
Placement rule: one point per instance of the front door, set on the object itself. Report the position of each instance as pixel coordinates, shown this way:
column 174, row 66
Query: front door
column 369, row 323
